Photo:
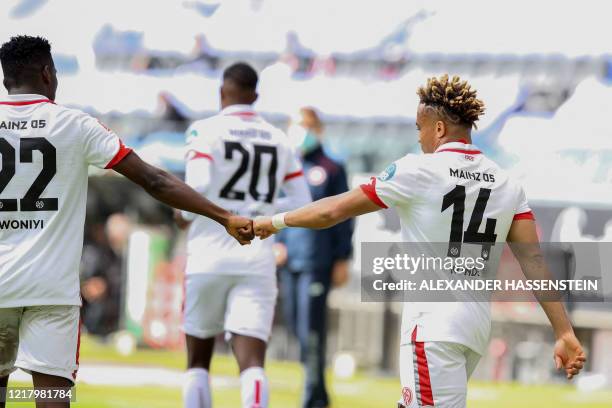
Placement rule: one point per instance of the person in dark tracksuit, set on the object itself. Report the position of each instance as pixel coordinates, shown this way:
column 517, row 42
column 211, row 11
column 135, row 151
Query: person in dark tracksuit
column 312, row 262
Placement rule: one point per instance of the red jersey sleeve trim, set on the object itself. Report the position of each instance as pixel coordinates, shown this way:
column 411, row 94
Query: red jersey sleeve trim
column 194, row 154
column 370, row 191
column 123, row 151
column 524, row 216
column 293, row 175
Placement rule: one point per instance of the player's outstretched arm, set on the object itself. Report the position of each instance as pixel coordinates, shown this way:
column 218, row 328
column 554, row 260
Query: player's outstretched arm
column 320, row 214
column 173, row 192
column 568, row 352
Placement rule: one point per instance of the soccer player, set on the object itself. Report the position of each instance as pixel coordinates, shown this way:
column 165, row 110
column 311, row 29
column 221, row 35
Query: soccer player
column 239, row 161
column 442, row 343
column 45, row 150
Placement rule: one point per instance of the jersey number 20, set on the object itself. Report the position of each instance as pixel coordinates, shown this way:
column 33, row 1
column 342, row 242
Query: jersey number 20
column 228, row 191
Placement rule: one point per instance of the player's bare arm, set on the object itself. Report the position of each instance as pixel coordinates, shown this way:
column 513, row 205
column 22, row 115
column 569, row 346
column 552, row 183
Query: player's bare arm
column 320, row 214
column 568, row 353
column 173, row 192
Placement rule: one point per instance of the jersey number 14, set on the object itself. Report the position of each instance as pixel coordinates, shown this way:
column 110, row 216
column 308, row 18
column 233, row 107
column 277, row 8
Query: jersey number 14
column 456, row 199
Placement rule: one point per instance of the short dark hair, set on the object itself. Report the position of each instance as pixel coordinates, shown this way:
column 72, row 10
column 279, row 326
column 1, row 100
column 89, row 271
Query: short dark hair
column 241, row 74
column 22, row 54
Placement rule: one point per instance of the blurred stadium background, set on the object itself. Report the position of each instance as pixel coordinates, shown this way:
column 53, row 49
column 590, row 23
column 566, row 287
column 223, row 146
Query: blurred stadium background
column 148, row 68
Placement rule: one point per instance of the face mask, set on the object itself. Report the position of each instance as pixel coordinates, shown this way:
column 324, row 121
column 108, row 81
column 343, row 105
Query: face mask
column 310, row 143
column 302, row 138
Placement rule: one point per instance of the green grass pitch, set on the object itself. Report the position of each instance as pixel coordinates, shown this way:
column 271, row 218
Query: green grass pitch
column 363, row 391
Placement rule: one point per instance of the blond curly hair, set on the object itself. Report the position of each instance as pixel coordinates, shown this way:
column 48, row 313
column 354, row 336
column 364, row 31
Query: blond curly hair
column 453, row 100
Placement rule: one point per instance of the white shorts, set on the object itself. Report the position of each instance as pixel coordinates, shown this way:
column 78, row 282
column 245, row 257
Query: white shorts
column 43, row 339
column 239, row 304
column 435, row 373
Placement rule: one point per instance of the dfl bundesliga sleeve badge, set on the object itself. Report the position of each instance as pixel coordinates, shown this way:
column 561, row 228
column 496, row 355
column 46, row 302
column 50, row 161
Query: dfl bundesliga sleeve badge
column 388, row 173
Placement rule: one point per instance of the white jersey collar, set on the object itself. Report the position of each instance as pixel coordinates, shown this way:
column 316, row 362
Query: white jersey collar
column 24, row 99
column 460, row 146
column 239, row 110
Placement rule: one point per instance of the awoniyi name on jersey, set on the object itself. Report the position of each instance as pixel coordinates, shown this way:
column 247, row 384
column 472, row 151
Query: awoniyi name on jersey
column 21, row 224
column 472, row 175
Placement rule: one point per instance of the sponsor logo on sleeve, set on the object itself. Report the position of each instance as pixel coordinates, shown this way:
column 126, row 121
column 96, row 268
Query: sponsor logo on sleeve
column 388, row 173
column 192, row 135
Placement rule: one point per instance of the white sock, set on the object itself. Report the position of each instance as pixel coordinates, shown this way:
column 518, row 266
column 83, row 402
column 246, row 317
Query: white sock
column 196, row 389
column 254, row 385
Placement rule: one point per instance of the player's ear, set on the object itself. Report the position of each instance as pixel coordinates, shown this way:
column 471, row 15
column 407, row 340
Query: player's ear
column 47, row 74
column 255, row 96
column 440, row 129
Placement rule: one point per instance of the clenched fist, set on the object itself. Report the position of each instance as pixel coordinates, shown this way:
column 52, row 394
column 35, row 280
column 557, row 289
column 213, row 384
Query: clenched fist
column 263, row 227
column 241, row 229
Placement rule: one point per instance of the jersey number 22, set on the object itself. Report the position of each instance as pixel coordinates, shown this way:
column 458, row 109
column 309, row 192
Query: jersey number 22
column 31, row 201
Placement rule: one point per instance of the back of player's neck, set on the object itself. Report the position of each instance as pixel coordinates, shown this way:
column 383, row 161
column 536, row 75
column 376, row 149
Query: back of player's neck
column 456, row 139
column 234, row 103
column 29, row 90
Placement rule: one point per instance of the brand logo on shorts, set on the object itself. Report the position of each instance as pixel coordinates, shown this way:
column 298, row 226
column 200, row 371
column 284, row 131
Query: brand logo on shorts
column 407, row 395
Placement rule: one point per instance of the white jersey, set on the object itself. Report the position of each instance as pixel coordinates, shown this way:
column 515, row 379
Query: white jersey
column 428, row 192
column 45, row 151
column 240, row 162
